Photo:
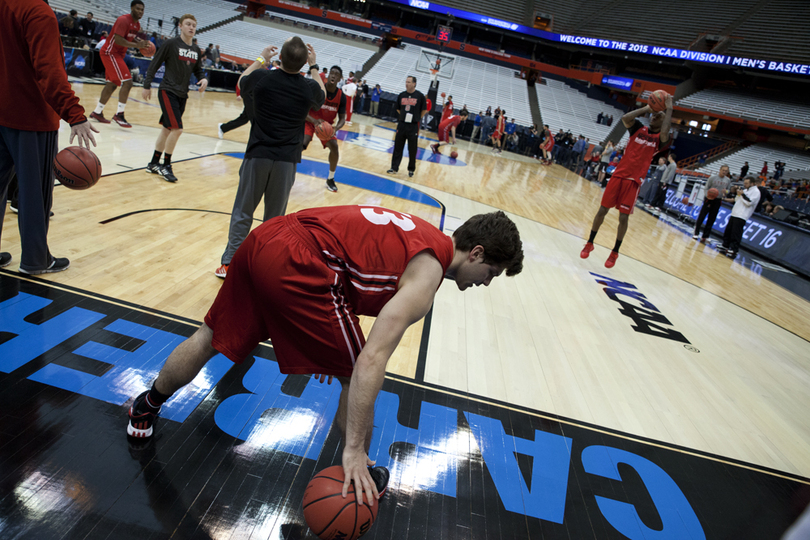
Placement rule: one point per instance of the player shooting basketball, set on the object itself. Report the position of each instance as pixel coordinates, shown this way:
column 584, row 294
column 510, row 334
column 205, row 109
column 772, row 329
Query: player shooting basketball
column 335, row 105
column 622, row 189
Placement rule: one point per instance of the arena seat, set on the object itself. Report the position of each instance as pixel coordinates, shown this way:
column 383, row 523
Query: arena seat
column 756, row 154
column 748, row 105
column 565, row 107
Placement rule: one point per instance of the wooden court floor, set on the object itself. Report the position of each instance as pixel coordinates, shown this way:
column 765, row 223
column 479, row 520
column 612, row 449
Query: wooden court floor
column 676, row 349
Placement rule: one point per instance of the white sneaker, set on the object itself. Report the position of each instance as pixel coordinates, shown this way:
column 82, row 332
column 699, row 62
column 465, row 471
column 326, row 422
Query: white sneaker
column 695, row 236
column 220, row 133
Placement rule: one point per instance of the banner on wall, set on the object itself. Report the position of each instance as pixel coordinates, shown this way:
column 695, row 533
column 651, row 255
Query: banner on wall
column 78, row 61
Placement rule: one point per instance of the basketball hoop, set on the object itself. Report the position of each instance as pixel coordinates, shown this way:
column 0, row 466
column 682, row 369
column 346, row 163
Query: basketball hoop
column 434, row 73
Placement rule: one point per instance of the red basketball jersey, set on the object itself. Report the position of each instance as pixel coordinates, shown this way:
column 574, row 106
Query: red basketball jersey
column 371, row 246
column 126, row 27
column 638, row 154
column 450, row 122
column 500, row 124
column 331, row 107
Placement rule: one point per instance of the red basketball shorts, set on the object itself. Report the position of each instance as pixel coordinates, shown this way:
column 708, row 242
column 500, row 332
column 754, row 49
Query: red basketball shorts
column 115, row 69
column 496, row 135
column 279, row 287
column 444, row 133
column 309, row 129
column 621, row 193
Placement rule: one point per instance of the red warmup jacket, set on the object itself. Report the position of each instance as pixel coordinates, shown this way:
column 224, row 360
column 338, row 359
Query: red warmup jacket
column 34, row 92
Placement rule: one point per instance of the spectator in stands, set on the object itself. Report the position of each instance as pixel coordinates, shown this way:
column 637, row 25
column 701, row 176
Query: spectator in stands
column 411, row 106
column 610, row 120
column 375, row 101
column 745, row 202
column 487, row 127
column 477, row 125
column 779, row 169
column 599, row 118
column 102, row 39
column 363, row 95
column 666, row 179
column 702, row 159
column 31, row 104
column 512, row 142
column 464, row 111
column 764, row 172
column 206, row 56
column 604, row 161
column 764, row 196
column 511, row 127
column 744, row 170
column 575, row 156
column 649, row 189
column 87, row 28
column 216, row 58
column 68, row 26
column 489, row 110
column 720, row 182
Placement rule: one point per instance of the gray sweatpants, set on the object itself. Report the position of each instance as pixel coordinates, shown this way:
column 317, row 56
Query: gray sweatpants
column 258, row 177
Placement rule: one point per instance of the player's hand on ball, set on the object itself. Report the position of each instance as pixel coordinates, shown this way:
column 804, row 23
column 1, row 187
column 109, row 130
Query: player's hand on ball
column 311, row 55
column 146, row 94
column 84, row 132
column 269, row 52
column 321, row 378
column 141, row 44
column 355, row 469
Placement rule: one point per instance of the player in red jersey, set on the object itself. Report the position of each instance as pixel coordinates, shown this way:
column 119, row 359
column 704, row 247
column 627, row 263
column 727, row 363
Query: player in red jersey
column 622, row 189
column 334, row 106
column 447, row 109
column 547, row 145
column 124, row 35
column 447, row 129
column 301, row 280
column 500, row 126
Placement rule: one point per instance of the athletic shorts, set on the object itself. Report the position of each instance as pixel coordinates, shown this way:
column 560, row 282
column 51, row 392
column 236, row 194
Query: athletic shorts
column 621, row 193
column 496, row 135
column 115, row 69
column 309, row 129
column 279, row 287
column 444, row 134
column 548, row 145
column 173, row 108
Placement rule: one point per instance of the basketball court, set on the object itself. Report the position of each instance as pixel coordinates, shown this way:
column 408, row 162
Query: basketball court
column 663, row 398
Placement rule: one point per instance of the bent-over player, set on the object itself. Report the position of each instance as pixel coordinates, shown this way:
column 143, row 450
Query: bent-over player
column 447, row 129
column 182, row 58
column 335, row 105
column 622, row 189
column 301, row 280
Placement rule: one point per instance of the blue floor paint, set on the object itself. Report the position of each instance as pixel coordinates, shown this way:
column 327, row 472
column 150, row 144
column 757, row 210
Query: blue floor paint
column 386, row 145
column 362, row 180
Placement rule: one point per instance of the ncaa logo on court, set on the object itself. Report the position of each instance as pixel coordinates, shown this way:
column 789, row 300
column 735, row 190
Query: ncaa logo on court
column 372, row 143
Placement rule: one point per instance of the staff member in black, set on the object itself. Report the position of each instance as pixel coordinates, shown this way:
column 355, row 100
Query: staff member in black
column 182, row 58
column 277, row 103
column 411, row 107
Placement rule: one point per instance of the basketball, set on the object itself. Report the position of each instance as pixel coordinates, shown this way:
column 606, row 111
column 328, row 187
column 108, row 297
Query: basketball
column 324, row 131
column 453, row 154
column 444, row 95
column 77, row 168
column 328, row 514
column 685, row 200
column 149, row 50
column 712, row 194
column 658, row 100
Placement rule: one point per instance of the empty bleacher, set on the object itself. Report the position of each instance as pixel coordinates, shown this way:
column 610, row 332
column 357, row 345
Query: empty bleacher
column 749, row 105
column 506, row 10
column 564, row 107
column 756, row 154
column 247, row 39
column 475, row 84
column 778, row 31
column 317, row 26
column 206, row 12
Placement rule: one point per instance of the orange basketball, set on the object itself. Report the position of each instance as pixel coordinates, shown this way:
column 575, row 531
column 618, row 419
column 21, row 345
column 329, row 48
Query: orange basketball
column 712, row 194
column 658, row 100
column 77, row 168
column 685, row 201
column 444, row 95
column 325, row 131
column 453, row 154
column 149, row 50
column 331, row 516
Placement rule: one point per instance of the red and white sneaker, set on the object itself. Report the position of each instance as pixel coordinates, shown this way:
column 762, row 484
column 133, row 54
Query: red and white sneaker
column 141, row 418
column 435, row 148
column 611, row 260
column 586, row 250
column 222, row 271
column 121, row 121
column 99, row 117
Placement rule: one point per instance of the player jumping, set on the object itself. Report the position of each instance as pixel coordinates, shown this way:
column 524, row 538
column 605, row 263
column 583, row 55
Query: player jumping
column 335, row 105
column 447, row 129
column 124, row 35
column 622, row 189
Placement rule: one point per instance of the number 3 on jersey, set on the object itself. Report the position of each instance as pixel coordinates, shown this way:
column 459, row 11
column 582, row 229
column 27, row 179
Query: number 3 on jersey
column 379, row 216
